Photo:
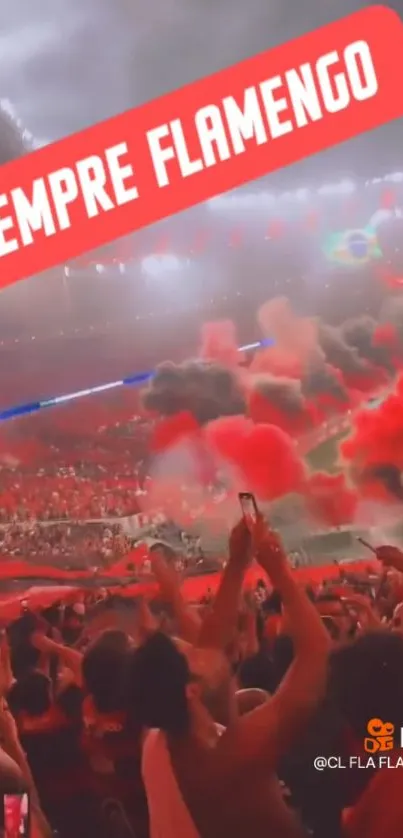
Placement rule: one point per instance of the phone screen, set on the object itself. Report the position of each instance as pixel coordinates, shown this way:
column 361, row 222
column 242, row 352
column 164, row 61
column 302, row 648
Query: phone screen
column 16, row 816
column 248, row 506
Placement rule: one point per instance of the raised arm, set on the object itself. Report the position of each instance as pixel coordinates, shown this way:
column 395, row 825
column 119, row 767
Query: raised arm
column 220, row 623
column 145, row 623
column 71, row 658
column 265, row 734
column 170, row 590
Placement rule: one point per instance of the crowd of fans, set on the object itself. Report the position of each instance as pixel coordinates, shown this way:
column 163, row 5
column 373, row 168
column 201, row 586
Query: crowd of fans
column 164, row 718
column 73, row 471
column 67, row 545
column 81, row 545
column 66, row 511
column 66, row 494
column 123, row 717
column 54, row 514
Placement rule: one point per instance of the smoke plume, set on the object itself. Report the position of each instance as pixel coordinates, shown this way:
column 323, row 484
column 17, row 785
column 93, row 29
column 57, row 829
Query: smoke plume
column 338, row 352
column 374, row 451
column 359, row 333
column 204, row 389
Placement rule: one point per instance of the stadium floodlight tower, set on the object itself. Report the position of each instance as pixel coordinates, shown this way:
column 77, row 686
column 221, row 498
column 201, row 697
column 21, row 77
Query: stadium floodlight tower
column 15, row 140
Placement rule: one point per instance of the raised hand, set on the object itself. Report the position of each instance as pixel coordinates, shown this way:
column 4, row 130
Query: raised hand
column 240, row 543
column 268, row 548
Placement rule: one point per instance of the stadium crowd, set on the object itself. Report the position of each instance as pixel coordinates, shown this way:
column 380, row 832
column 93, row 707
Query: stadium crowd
column 123, row 716
column 66, row 545
column 66, row 493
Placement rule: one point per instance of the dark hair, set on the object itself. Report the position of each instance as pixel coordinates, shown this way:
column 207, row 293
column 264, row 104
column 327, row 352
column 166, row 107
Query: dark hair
column 273, row 603
column 31, row 694
column 158, row 676
column 24, row 657
column 260, row 626
column 366, row 679
column 52, row 615
column 104, row 671
column 256, row 672
column 70, row 702
column 282, row 657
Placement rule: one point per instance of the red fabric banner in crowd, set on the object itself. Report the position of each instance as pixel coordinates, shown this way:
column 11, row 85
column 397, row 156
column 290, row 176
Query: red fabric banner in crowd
column 200, row 141
column 19, row 569
column 194, row 588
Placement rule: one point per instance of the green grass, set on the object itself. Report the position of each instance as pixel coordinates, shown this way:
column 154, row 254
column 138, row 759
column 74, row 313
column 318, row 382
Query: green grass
column 325, row 457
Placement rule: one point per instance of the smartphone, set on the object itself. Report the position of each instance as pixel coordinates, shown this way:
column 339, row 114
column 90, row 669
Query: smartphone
column 16, row 816
column 249, row 507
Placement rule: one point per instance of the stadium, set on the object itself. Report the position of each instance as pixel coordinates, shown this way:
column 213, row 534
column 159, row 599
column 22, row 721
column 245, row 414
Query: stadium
column 201, row 437
column 322, row 269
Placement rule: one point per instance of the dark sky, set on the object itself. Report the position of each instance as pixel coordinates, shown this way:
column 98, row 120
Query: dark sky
column 69, row 63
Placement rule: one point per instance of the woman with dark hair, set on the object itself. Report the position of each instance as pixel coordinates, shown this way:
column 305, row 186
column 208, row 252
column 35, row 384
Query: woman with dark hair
column 112, row 746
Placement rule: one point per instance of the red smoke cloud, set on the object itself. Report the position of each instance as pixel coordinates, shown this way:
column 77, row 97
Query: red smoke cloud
column 377, row 435
column 262, row 410
column 368, row 381
column 264, row 455
column 293, row 335
column 387, row 337
column 277, row 361
column 374, row 451
column 219, row 343
column 330, row 499
column 172, row 430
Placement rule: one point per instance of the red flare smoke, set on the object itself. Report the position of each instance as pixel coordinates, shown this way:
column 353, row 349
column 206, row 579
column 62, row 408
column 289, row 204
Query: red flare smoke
column 376, row 443
column 368, row 381
column 219, row 343
column 264, row 455
column 330, row 499
column 171, row 430
column 278, row 362
column 386, row 335
column 262, row 410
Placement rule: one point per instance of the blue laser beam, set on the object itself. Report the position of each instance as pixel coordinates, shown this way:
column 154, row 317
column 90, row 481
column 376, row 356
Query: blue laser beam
column 135, row 380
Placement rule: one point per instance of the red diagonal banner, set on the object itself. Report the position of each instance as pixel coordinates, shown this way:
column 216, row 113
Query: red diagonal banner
column 207, row 138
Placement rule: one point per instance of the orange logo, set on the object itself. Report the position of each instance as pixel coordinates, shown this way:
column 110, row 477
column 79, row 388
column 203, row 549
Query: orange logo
column 380, row 737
